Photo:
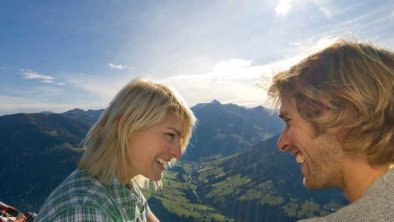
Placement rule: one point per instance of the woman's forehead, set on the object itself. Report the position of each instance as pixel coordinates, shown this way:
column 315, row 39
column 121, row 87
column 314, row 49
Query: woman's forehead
column 173, row 121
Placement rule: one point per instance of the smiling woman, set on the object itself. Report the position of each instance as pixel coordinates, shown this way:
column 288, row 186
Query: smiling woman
column 145, row 128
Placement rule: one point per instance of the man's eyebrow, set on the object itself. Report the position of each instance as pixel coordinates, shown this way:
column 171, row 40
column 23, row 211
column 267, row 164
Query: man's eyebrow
column 283, row 115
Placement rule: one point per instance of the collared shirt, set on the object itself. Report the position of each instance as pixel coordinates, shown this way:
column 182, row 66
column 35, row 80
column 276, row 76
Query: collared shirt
column 83, row 198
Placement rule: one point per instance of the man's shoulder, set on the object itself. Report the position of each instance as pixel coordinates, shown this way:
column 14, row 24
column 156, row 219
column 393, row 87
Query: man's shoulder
column 376, row 205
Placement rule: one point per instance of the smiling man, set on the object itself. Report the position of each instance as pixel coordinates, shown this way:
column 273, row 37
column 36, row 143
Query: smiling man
column 338, row 106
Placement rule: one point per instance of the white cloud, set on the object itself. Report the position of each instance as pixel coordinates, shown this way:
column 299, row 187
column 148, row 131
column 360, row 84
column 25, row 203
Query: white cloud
column 102, row 88
column 325, row 6
column 327, row 12
column 120, row 66
column 32, row 75
column 321, row 43
column 232, row 81
column 283, row 8
column 240, row 81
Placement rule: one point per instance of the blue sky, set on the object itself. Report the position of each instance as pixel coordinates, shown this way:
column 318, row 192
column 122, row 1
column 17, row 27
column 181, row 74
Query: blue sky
column 58, row 55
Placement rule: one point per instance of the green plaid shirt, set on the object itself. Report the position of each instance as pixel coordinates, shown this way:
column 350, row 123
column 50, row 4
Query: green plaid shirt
column 83, row 198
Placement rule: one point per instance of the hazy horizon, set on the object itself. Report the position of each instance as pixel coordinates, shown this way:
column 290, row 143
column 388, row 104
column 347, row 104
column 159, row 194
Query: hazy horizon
column 87, row 109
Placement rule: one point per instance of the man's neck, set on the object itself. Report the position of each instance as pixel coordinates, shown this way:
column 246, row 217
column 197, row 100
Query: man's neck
column 359, row 175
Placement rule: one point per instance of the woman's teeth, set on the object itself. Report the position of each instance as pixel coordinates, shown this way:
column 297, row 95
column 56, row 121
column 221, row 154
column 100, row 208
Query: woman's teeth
column 162, row 162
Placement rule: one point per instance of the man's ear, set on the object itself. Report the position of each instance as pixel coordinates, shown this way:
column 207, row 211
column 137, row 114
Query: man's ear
column 338, row 131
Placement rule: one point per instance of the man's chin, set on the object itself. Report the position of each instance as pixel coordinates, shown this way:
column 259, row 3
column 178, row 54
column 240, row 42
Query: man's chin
column 304, row 183
column 309, row 185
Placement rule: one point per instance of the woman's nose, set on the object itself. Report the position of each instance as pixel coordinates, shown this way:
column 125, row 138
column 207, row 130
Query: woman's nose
column 176, row 151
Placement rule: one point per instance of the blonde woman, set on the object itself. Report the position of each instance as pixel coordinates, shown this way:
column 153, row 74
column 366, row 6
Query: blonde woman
column 145, row 128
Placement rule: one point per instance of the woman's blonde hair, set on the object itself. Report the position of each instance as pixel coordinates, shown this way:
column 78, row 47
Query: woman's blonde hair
column 139, row 105
column 348, row 86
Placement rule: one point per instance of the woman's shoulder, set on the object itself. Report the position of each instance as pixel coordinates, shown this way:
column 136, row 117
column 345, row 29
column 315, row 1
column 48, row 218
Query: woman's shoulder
column 78, row 189
column 79, row 186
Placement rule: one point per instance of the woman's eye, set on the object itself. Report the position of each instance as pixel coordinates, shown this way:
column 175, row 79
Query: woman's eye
column 170, row 136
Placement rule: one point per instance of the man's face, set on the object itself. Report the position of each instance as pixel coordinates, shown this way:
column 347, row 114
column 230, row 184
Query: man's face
column 320, row 157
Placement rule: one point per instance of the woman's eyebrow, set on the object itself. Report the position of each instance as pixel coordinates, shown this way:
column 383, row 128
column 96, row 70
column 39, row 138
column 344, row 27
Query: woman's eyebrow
column 178, row 132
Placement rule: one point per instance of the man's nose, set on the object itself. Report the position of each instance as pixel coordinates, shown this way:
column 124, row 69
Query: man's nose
column 283, row 141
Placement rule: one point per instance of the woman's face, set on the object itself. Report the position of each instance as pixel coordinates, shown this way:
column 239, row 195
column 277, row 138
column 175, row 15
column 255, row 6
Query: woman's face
column 150, row 151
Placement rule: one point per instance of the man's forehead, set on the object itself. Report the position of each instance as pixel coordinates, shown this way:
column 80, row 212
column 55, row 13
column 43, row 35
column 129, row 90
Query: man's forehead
column 287, row 106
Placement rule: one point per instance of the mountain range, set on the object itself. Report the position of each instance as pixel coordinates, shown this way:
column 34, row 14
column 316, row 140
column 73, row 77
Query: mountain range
column 230, row 172
column 224, row 129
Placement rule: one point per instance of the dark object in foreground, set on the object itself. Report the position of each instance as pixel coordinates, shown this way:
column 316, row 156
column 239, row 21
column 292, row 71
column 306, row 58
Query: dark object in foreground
column 10, row 214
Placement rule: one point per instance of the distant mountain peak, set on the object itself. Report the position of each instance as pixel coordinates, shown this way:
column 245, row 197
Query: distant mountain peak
column 75, row 113
column 208, row 104
column 215, row 102
column 75, row 110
